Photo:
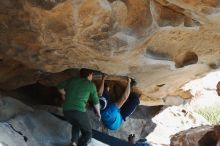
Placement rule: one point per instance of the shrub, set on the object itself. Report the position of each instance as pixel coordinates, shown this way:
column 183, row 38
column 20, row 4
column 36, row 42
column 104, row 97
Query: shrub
column 210, row 113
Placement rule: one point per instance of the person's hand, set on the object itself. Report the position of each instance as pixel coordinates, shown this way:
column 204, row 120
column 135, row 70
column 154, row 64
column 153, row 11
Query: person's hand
column 129, row 80
column 97, row 111
column 98, row 115
column 104, row 76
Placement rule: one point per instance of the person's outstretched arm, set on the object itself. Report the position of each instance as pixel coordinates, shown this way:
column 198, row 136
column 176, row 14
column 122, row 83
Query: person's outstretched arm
column 95, row 99
column 125, row 95
column 101, row 89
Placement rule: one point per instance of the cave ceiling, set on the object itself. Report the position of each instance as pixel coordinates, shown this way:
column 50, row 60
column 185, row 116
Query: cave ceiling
column 162, row 44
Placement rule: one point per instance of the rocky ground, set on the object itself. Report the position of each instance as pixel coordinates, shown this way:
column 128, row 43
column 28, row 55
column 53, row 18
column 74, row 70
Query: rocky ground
column 21, row 125
column 35, row 125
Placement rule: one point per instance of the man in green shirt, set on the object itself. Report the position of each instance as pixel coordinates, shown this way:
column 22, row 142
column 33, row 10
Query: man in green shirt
column 76, row 92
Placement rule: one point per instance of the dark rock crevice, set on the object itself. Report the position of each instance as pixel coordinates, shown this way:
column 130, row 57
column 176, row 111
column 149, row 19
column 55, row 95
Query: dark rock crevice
column 45, row 4
column 43, row 90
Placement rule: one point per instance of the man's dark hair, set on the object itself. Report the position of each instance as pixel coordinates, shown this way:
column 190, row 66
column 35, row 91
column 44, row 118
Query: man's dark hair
column 84, row 72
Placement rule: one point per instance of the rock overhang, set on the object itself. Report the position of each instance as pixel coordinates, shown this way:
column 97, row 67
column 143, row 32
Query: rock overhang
column 41, row 39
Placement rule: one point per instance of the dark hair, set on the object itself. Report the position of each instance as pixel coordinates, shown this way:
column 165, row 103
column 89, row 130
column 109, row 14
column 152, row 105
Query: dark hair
column 84, row 72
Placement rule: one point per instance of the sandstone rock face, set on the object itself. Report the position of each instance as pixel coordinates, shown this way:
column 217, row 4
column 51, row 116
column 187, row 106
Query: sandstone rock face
column 200, row 136
column 38, row 38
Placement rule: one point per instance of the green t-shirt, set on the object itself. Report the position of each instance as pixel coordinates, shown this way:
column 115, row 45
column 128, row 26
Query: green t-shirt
column 78, row 92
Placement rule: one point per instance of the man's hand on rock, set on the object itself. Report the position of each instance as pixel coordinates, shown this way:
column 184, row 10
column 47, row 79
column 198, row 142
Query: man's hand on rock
column 129, row 80
column 104, row 76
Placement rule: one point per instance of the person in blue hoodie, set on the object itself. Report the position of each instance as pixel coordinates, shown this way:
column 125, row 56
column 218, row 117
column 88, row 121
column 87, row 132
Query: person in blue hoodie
column 113, row 114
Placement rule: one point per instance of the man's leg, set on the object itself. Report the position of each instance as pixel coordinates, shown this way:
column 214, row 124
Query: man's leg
column 85, row 138
column 75, row 132
column 130, row 105
column 70, row 117
column 86, row 130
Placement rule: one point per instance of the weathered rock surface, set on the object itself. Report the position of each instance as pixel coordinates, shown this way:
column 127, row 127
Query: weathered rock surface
column 16, row 108
column 37, row 126
column 49, row 36
column 28, row 127
column 6, row 136
column 199, row 136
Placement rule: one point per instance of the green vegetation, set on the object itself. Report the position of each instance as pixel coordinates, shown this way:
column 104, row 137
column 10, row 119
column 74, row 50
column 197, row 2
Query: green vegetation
column 212, row 114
